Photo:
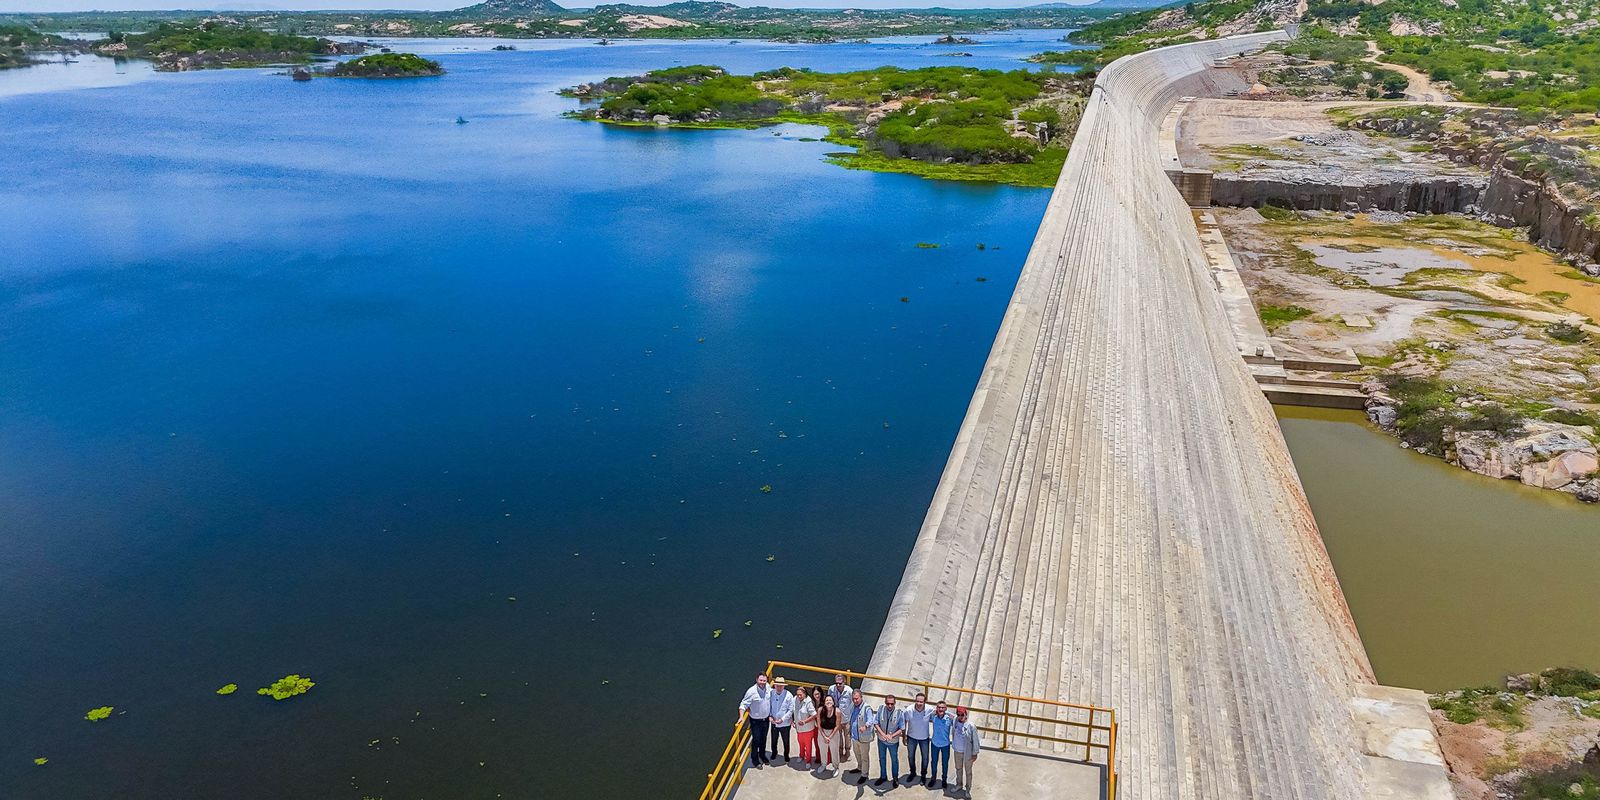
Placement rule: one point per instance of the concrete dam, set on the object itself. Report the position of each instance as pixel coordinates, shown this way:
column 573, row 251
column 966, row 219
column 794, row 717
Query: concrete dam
column 1119, row 523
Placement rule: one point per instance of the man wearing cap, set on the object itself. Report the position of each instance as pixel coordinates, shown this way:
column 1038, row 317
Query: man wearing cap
column 781, row 716
column 964, row 741
column 757, row 703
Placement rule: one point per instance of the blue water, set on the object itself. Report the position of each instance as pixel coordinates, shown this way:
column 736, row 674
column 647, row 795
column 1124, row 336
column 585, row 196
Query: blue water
column 308, row 378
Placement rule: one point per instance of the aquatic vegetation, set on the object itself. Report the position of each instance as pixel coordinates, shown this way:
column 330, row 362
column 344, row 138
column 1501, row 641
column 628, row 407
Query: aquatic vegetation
column 286, row 687
column 41, row 761
column 716, row 634
column 927, row 246
column 229, row 689
column 766, row 488
column 771, row 558
column 97, row 714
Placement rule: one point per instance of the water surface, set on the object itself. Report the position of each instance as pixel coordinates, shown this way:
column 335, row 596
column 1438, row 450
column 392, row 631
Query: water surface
column 309, row 378
column 1454, row 579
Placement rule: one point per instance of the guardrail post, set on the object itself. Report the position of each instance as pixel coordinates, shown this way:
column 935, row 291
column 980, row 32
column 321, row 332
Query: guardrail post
column 1005, row 724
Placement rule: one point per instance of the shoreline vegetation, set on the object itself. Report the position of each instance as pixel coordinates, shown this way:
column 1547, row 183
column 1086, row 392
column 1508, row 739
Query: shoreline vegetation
column 950, row 123
column 177, row 47
column 535, row 19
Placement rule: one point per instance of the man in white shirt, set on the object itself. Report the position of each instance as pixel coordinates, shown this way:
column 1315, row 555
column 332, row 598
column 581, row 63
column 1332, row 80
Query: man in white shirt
column 917, row 734
column 781, row 717
column 757, row 703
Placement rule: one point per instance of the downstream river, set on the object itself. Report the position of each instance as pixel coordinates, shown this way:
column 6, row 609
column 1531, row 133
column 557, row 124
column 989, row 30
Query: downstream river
column 488, row 427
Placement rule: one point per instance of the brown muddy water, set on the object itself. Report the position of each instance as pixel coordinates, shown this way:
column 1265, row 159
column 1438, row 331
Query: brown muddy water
column 1384, row 255
column 1454, row 579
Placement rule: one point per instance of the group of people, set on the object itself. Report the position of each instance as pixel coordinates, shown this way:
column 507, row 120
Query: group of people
column 836, row 726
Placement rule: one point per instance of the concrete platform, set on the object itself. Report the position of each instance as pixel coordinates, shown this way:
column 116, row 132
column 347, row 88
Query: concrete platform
column 1000, row 774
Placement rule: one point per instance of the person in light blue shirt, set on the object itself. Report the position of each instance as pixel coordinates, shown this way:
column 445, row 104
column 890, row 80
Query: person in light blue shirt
column 863, row 722
column 916, row 719
column 890, row 728
column 966, row 741
column 780, row 718
column 754, row 710
column 939, row 727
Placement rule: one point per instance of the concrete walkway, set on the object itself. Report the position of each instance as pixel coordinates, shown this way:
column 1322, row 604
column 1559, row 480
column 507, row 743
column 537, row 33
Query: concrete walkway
column 999, row 775
column 1119, row 522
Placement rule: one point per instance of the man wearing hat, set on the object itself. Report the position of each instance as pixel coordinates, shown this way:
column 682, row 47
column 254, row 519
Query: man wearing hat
column 964, row 741
column 781, row 717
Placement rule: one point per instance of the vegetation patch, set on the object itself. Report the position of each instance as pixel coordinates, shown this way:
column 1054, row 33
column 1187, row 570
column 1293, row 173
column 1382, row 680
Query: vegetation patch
column 1498, row 708
column 940, row 122
column 287, row 687
column 1274, row 317
column 387, row 65
column 229, row 689
column 97, row 714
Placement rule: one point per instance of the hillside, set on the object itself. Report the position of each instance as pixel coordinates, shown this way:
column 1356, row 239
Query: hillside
column 1523, row 53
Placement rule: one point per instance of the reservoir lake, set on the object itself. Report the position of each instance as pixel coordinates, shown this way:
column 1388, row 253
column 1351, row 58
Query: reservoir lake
column 487, row 428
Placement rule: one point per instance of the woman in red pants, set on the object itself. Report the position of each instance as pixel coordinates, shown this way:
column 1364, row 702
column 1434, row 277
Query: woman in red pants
column 805, row 722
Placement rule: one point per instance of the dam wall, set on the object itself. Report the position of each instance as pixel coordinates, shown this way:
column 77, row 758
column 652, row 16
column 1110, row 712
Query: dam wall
column 1119, row 522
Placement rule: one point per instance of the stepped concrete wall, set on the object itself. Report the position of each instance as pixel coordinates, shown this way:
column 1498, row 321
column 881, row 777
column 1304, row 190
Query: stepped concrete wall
column 1119, row 522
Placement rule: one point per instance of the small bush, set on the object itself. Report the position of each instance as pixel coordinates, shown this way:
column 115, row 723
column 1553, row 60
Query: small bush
column 1568, row 681
column 1492, row 417
column 1565, row 332
column 1569, row 417
column 1275, row 317
column 1557, row 784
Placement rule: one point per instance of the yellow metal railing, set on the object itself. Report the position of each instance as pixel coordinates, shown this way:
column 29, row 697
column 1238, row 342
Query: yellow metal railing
column 1096, row 727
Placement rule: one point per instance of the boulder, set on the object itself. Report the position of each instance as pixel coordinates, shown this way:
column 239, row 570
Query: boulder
column 1479, row 451
column 1589, row 492
column 1521, row 683
column 661, row 119
column 1383, row 416
column 1561, row 470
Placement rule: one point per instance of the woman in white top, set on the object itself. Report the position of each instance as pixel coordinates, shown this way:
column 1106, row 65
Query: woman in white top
column 805, row 725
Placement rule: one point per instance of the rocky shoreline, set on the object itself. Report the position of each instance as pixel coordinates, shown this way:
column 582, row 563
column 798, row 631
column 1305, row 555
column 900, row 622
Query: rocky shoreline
column 1544, row 455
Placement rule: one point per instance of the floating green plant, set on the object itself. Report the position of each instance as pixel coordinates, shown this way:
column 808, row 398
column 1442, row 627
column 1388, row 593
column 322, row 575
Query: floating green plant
column 927, row 245
column 716, row 634
column 771, row 558
column 229, row 689
column 766, row 489
column 97, row 714
column 286, row 687
column 41, row 761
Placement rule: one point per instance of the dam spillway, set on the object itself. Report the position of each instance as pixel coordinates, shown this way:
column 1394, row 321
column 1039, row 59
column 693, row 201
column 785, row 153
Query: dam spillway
column 1119, row 523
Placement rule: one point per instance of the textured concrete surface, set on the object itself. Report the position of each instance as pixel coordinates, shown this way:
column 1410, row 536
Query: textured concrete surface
column 1119, row 522
column 1008, row 775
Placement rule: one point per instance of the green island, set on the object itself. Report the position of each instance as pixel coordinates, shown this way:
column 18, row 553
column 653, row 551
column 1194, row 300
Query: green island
column 386, row 65
column 20, row 45
column 951, row 123
column 175, row 47
column 695, row 19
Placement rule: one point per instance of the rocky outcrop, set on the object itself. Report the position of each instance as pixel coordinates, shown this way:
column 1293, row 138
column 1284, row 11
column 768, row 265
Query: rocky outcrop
column 1545, row 455
column 1323, row 190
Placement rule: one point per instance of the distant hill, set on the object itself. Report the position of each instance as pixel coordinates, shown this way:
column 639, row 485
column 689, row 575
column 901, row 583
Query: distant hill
column 510, row 8
column 1108, row 4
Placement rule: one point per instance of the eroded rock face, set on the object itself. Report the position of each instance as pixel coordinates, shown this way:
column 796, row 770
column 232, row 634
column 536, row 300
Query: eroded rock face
column 1315, row 190
column 1547, row 456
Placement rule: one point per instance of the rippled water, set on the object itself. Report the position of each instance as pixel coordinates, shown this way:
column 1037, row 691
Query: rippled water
column 308, row 378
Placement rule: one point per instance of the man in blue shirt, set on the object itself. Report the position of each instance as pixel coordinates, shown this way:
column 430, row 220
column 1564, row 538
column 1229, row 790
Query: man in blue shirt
column 940, row 725
column 863, row 724
column 757, row 703
column 917, row 738
column 890, row 727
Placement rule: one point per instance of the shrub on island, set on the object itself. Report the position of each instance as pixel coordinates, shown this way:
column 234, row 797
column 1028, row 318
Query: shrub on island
column 387, row 65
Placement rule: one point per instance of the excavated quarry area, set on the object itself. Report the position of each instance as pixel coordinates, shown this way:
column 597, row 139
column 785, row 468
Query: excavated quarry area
column 1476, row 344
